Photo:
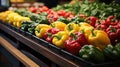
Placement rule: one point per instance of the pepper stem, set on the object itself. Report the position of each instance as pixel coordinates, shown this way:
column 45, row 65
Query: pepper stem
column 49, row 34
column 98, row 22
column 113, row 20
column 38, row 30
column 58, row 37
column 74, row 36
column 112, row 29
column 53, row 25
column 82, row 31
column 92, row 31
column 70, row 27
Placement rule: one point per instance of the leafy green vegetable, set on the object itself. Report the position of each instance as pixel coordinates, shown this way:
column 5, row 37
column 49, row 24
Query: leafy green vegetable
column 98, row 9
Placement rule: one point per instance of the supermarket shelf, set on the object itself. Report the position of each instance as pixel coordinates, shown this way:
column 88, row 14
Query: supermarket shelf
column 56, row 58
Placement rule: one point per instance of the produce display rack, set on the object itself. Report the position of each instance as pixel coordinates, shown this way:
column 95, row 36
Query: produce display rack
column 57, row 55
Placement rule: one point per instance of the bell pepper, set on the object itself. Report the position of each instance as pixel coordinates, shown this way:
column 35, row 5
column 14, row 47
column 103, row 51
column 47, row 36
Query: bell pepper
column 112, row 20
column 52, row 16
column 91, row 20
column 84, row 25
column 25, row 25
column 29, row 26
column 20, row 21
column 99, row 39
column 113, row 33
column 117, row 48
column 101, row 25
column 75, row 42
column 59, row 25
column 48, row 36
column 32, row 9
column 91, row 53
column 72, row 28
column 10, row 17
column 42, row 19
column 86, row 28
column 3, row 15
column 112, row 52
column 41, row 29
column 60, row 38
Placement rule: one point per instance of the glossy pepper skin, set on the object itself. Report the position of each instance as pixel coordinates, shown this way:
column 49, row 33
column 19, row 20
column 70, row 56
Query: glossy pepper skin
column 41, row 29
column 4, row 15
column 72, row 28
column 20, row 21
column 86, row 28
column 48, row 36
column 16, row 19
column 75, row 42
column 117, row 48
column 29, row 26
column 60, row 38
column 113, row 33
column 99, row 39
column 92, row 20
column 59, row 25
column 112, row 52
column 10, row 17
column 91, row 53
column 111, row 26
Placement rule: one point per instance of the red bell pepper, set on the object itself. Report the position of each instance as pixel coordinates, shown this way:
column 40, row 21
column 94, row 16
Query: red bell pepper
column 75, row 42
column 112, row 27
column 48, row 36
column 61, row 13
column 102, row 24
column 112, row 20
column 92, row 20
column 43, row 9
column 67, row 14
column 52, row 17
column 32, row 9
column 113, row 33
column 101, row 27
column 82, row 15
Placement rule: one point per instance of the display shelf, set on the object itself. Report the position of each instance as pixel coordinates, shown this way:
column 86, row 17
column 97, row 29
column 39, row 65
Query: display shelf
column 53, row 53
column 39, row 47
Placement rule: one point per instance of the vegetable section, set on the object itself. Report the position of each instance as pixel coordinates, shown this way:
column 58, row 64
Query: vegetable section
column 88, row 31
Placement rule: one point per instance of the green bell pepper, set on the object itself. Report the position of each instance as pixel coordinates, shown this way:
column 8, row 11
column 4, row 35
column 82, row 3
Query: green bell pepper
column 111, row 52
column 91, row 53
column 117, row 48
column 29, row 26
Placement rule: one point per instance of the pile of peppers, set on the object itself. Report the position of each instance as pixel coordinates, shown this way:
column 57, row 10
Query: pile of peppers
column 110, row 25
column 90, row 38
column 13, row 18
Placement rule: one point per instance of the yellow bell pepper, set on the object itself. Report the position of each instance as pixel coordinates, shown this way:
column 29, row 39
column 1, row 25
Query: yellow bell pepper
column 59, row 25
column 84, row 25
column 21, row 19
column 98, row 38
column 16, row 20
column 3, row 15
column 86, row 28
column 41, row 29
column 10, row 18
column 60, row 38
column 72, row 28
